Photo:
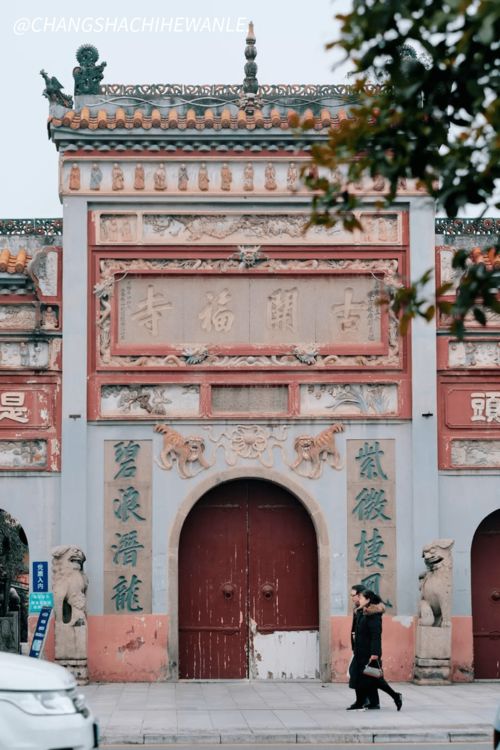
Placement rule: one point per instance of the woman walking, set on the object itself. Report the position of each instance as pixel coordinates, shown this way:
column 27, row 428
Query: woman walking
column 368, row 650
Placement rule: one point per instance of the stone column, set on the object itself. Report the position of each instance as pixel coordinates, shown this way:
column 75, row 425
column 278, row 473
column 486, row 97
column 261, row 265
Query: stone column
column 74, row 392
column 424, row 439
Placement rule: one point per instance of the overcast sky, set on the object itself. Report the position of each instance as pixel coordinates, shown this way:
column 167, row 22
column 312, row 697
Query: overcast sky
column 142, row 42
column 290, row 42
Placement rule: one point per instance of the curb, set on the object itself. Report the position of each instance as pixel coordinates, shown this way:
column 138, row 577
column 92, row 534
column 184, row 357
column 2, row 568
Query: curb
column 343, row 737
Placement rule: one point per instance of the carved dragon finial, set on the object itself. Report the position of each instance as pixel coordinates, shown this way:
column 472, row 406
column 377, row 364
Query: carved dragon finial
column 54, row 91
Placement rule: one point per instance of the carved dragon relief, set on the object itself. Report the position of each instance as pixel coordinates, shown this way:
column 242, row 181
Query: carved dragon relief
column 249, row 442
column 113, row 270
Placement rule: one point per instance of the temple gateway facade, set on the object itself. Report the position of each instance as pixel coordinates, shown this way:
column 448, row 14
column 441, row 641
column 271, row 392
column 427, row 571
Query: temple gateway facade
column 201, row 396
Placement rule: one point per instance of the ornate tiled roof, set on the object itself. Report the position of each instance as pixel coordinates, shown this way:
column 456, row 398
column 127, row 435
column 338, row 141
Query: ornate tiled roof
column 147, row 118
column 161, row 111
column 13, row 263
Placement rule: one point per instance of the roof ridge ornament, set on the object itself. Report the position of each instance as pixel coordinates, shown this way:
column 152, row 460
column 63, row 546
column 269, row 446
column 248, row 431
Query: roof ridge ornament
column 250, row 100
column 54, row 91
column 88, row 75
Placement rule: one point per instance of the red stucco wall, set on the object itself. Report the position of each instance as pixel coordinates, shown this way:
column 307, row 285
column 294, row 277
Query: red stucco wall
column 127, row 648
column 462, row 649
column 398, row 648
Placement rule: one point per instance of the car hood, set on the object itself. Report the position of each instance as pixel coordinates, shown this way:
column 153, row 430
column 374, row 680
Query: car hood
column 26, row 673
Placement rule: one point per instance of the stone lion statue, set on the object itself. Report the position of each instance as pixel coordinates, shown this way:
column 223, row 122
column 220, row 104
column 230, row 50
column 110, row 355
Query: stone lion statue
column 436, row 584
column 70, row 584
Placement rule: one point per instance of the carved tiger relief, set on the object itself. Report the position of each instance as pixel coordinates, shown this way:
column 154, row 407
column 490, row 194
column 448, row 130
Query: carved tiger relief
column 183, row 450
column 312, row 450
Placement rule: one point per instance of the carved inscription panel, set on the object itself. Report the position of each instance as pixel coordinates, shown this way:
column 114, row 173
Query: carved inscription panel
column 159, row 310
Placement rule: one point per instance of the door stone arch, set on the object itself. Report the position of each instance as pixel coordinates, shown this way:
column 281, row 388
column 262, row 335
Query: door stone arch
column 323, row 546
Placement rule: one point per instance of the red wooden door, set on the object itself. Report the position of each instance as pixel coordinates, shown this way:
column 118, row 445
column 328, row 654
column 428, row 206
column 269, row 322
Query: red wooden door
column 485, row 582
column 247, row 565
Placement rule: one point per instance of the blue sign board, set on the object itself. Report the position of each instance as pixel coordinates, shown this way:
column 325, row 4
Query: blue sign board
column 40, row 632
column 39, row 600
column 40, row 575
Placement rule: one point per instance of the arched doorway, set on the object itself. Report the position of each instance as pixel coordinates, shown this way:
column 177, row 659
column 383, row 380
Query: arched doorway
column 14, row 584
column 485, row 583
column 248, row 585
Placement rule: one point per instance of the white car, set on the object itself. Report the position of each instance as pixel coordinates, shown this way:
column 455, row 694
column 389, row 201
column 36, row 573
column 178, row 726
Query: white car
column 41, row 708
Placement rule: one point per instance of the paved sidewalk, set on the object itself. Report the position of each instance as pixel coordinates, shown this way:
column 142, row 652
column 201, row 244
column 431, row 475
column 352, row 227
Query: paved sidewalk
column 265, row 712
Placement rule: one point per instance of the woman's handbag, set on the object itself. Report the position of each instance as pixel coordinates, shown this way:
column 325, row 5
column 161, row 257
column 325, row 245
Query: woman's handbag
column 376, row 672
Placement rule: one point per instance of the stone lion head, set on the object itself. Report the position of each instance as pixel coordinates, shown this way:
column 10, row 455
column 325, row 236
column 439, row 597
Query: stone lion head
column 195, row 448
column 68, row 557
column 437, row 554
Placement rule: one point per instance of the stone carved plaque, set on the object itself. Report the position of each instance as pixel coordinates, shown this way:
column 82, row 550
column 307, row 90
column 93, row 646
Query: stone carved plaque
column 474, row 354
column 23, row 454
column 475, row 454
column 44, row 268
column 241, row 399
column 127, row 526
column 371, row 517
column 113, row 270
column 17, row 317
column 447, row 272
column 381, row 228
column 349, row 399
column 148, row 401
column 257, row 311
column 118, row 229
column 24, row 354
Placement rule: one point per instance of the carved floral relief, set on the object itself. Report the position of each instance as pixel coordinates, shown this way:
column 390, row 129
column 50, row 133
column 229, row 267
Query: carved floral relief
column 349, row 399
column 149, row 400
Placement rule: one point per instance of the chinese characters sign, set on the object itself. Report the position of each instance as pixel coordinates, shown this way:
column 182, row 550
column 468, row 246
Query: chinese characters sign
column 485, row 406
column 127, row 527
column 40, row 576
column 24, row 408
column 154, row 310
column 371, row 514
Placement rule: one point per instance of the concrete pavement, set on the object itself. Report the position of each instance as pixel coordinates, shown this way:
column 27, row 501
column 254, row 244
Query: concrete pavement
column 232, row 712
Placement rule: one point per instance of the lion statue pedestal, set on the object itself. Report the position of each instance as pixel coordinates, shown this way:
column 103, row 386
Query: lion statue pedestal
column 70, row 584
column 433, row 646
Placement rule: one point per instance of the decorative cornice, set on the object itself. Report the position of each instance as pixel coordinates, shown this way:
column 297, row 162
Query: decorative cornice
column 31, row 227
column 232, row 91
column 460, row 227
column 54, row 227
